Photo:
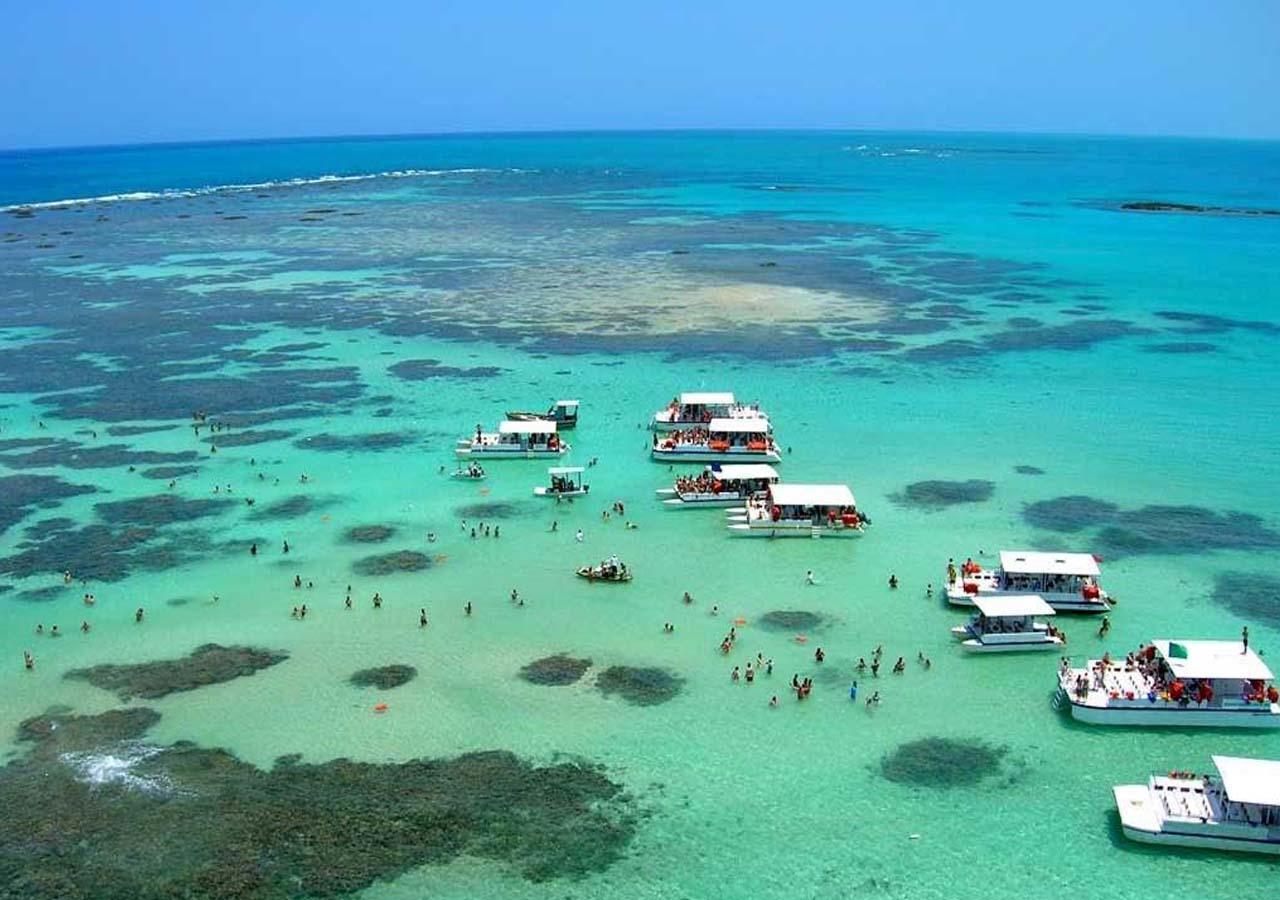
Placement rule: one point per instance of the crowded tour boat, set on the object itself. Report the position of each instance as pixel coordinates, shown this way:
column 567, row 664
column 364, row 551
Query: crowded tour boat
column 566, row 481
column 1067, row 581
column 798, row 510
column 1221, row 684
column 609, row 570
column 563, row 412
column 699, row 408
column 719, row 485
column 1237, row 810
column 1007, row 623
column 720, row 440
column 514, row 440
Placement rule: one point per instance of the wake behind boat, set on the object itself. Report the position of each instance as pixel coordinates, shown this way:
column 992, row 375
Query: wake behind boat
column 719, row 485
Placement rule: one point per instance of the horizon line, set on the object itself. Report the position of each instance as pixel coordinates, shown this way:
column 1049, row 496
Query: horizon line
column 549, row 132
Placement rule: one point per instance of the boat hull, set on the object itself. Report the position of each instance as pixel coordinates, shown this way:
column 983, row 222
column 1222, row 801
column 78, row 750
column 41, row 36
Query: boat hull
column 1162, row 716
column 1140, row 822
column 707, row 455
column 508, row 453
column 782, row 529
column 591, row 576
column 974, row 645
column 1063, row 603
column 561, row 424
column 547, row 492
column 703, row 502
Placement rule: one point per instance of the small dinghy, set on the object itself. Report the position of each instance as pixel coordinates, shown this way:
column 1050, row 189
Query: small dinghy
column 566, row 481
column 473, row 472
column 608, row 570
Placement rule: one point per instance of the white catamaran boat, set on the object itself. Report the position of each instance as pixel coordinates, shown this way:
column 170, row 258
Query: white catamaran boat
column 719, row 485
column 1238, row 810
column 699, row 408
column 721, row 440
column 798, row 510
column 514, row 440
column 566, row 481
column 1008, row 623
column 1180, row 683
column 563, row 412
column 1067, row 581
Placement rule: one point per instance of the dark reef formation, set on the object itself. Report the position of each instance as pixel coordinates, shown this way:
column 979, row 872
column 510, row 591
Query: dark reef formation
column 207, row 664
column 639, row 686
column 936, row 762
column 368, row 534
column 186, row 821
column 384, row 678
column 936, row 495
column 554, row 671
column 792, row 620
column 1252, row 596
column 391, row 563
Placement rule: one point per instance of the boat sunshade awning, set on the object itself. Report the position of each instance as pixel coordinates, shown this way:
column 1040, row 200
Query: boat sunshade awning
column 812, row 495
column 1250, row 780
column 758, row 425
column 1212, row 659
column 707, row 398
column 534, row 427
column 565, row 470
column 568, row 404
column 1012, row 605
column 1035, row 562
column 745, row 470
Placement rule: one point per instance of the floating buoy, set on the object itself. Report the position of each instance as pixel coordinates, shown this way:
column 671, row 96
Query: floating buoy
column 381, row 707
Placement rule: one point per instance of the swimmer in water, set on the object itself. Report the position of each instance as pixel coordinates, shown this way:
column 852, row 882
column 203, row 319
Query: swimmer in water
column 431, row 537
column 773, row 701
column 348, row 601
column 555, row 525
column 377, row 600
column 137, row 616
column 687, row 598
column 715, row 610
column 578, row 537
column 808, row 577
column 422, row 618
column 893, row 581
column 735, row 676
column 467, row 608
column 899, row 667
column 28, row 661
column 84, row 626
column 253, row 549
column 297, row 581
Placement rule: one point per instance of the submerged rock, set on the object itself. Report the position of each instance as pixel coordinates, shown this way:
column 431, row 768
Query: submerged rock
column 495, row 509
column 1252, row 596
column 942, row 762
column 555, row 671
column 390, row 563
column 384, row 677
column 1028, row 470
column 186, row 821
column 207, row 664
column 639, row 686
column 368, row 534
column 935, row 495
column 792, row 620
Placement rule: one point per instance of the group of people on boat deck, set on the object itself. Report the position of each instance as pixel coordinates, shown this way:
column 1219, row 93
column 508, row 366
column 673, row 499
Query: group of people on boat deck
column 668, row 440
column 969, row 568
column 1145, row 675
column 759, row 507
column 560, row 484
column 696, row 412
column 612, row 568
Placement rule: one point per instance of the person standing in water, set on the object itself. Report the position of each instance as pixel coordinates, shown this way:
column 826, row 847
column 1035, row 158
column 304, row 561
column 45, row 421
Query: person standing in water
column 137, row 616
column 422, row 618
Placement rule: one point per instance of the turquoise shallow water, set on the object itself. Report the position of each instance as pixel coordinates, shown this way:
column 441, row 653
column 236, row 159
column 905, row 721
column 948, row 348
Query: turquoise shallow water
column 907, row 307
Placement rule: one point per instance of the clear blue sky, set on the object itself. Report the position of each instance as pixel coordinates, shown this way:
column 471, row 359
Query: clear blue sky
column 136, row 71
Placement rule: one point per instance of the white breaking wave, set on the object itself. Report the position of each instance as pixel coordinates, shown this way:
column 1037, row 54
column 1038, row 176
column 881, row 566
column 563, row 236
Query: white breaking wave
column 101, row 768
column 177, row 193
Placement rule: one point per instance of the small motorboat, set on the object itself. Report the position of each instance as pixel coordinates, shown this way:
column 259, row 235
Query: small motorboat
column 566, row 481
column 473, row 472
column 608, row 570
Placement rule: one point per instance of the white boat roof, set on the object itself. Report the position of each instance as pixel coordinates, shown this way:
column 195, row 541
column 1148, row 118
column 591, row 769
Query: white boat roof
column 1212, row 659
column 1012, row 605
column 1036, row 562
column 707, row 398
column 567, row 403
column 812, row 495
column 538, row 426
column 743, row 470
column 1250, row 780
column 754, row 425
column 564, row 470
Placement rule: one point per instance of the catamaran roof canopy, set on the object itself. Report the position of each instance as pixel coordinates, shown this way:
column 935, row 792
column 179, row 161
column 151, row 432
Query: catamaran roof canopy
column 1212, row 659
column 758, row 425
column 1034, row 562
column 567, row 403
column 745, row 470
column 1015, row 605
column 535, row 427
column 1250, row 780
column 811, row 495
column 564, row 470
column 707, row 398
